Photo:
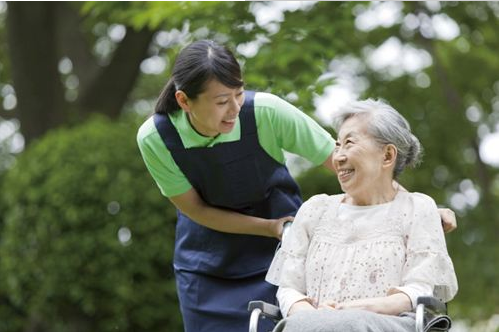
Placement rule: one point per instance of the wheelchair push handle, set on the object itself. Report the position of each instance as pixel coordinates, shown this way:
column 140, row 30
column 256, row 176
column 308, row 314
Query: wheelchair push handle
column 286, row 228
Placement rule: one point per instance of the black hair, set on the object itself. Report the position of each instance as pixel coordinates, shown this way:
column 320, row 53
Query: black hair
column 196, row 65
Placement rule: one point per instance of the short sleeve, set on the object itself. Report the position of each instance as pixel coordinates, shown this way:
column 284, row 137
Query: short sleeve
column 159, row 161
column 427, row 265
column 282, row 126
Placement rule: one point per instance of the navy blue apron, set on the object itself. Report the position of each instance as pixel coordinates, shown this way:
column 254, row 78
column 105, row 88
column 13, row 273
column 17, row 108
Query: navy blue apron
column 217, row 273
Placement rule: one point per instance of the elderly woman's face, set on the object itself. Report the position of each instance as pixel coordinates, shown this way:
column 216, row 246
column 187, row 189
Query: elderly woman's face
column 358, row 159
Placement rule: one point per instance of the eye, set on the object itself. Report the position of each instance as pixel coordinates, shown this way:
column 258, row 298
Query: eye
column 240, row 96
column 222, row 102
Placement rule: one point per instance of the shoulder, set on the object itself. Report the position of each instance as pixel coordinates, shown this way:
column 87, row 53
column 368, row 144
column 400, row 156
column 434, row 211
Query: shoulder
column 317, row 204
column 273, row 105
column 422, row 200
column 149, row 141
column 323, row 198
column 317, row 199
column 311, row 212
column 420, row 206
column 146, row 130
column 279, row 112
column 265, row 99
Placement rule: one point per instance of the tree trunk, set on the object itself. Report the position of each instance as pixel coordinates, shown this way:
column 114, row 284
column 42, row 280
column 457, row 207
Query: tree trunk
column 110, row 89
column 33, row 54
column 39, row 35
column 73, row 44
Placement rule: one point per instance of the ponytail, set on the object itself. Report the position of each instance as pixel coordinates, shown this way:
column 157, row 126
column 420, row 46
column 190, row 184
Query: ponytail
column 167, row 103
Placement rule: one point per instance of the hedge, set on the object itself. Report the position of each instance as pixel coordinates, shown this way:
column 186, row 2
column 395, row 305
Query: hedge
column 87, row 239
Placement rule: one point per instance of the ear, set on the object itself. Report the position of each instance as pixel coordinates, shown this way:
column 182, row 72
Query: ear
column 182, row 99
column 390, row 155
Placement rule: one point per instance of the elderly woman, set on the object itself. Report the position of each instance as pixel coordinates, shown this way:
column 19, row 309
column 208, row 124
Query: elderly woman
column 358, row 261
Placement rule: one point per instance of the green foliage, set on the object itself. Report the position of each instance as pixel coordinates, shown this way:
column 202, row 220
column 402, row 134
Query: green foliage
column 61, row 260
column 294, row 57
column 142, row 14
column 290, row 59
column 464, row 74
column 318, row 180
column 172, row 15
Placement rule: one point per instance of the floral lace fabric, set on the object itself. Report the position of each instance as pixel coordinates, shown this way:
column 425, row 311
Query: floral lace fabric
column 365, row 252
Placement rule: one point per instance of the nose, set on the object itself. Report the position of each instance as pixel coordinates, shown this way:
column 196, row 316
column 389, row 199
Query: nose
column 339, row 157
column 235, row 106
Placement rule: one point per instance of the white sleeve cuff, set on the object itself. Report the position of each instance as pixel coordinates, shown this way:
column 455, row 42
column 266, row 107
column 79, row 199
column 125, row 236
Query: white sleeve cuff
column 413, row 291
column 287, row 297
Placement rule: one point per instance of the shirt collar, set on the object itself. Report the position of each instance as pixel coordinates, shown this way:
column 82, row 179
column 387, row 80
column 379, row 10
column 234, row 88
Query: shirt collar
column 192, row 139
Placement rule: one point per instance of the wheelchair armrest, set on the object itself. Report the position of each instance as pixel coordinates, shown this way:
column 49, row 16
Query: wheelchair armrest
column 431, row 315
column 268, row 310
column 261, row 309
column 433, row 304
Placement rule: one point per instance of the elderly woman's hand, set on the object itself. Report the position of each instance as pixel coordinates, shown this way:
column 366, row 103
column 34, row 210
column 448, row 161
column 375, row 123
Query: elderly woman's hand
column 448, row 219
column 300, row 305
column 389, row 305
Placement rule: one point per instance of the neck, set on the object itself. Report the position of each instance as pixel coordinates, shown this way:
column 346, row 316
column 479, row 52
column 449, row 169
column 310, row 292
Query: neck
column 191, row 121
column 379, row 195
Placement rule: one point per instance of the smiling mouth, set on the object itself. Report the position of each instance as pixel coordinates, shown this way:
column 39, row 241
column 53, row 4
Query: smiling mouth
column 345, row 173
column 230, row 121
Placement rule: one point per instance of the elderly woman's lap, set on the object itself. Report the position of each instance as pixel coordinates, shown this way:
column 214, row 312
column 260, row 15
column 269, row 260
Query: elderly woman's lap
column 327, row 320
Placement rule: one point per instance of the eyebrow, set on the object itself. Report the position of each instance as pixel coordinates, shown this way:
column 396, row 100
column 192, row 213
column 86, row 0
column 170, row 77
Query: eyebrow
column 350, row 134
column 226, row 94
column 222, row 95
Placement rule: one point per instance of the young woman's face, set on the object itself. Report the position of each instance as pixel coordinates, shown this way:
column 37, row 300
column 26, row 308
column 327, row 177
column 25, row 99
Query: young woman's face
column 215, row 111
column 358, row 159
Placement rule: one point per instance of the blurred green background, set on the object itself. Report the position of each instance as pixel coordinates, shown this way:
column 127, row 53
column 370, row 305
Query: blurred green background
column 86, row 239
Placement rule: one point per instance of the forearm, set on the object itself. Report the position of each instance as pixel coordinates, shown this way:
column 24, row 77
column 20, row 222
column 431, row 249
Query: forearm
column 388, row 305
column 291, row 301
column 395, row 304
column 230, row 222
column 227, row 221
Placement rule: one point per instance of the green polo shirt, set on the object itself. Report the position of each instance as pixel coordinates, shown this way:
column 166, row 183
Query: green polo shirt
column 280, row 126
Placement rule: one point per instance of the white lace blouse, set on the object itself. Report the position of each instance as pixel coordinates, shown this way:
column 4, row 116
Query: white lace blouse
column 341, row 252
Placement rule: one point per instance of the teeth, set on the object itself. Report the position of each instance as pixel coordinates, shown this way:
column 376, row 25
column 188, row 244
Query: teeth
column 345, row 171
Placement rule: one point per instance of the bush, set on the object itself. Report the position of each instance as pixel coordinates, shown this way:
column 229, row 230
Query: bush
column 87, row 238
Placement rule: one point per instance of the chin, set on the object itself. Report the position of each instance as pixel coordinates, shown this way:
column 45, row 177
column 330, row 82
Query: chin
column 344, row 189
column 225, row 129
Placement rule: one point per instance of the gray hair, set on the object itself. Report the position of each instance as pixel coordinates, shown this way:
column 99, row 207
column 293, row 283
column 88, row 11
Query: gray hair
column 386, row 126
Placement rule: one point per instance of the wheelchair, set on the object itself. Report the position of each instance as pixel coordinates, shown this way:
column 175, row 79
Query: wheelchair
column 431, row 313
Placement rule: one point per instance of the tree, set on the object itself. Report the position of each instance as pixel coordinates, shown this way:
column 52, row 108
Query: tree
column 98, row 72
column 39, row 35
column 449, row 93
column 86, row 239
column 451, row 103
